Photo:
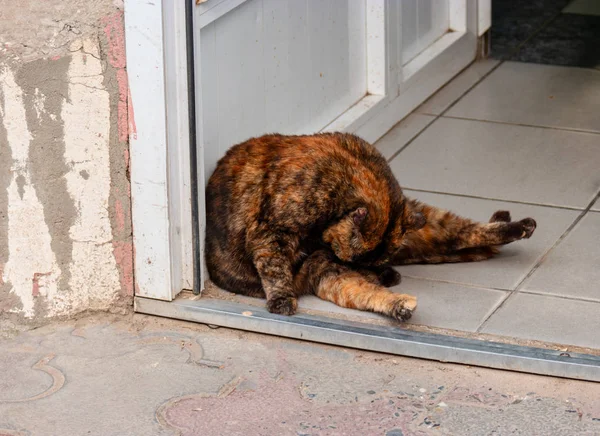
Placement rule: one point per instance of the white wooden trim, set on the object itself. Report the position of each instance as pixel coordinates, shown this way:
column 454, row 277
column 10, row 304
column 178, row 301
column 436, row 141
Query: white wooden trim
column 376, row 47
column 210, row 11
column 178, row 148
column 159, row 147
column 458, row 10
column 484, row 16
column 357, row 114
column 197, row 16
column 148, row 148
column 430, row 54
column 393, row 43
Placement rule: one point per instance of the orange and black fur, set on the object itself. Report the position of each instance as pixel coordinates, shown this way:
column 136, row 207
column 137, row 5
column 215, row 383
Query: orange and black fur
column 323, row 214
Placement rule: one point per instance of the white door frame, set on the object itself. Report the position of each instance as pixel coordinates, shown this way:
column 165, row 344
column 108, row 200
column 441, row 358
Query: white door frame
column 159, row 141
column 159, row 147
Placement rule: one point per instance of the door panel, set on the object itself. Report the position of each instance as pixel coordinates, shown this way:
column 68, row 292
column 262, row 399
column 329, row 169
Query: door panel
column 286, row 66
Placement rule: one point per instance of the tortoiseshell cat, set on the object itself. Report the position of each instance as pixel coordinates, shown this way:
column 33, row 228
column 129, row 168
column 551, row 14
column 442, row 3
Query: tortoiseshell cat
column 323, row 214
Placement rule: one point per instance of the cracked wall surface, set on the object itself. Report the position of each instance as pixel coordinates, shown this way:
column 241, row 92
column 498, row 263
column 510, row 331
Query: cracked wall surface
column 65, row 225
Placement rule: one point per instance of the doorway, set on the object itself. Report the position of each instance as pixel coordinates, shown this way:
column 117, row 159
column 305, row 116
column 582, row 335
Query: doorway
column 399, row 70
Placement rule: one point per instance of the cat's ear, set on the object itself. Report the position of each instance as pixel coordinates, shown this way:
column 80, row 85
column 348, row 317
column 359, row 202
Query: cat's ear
column 345, row 235
column 358, row 216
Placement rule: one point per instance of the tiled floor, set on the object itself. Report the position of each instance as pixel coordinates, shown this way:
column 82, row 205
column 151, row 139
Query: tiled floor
column 525, row 139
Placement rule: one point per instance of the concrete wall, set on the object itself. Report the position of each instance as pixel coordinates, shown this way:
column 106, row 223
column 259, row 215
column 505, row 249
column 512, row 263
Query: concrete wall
column 65, row 227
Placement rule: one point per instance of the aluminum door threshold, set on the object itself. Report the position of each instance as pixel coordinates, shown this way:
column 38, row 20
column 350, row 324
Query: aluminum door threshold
column 383, row 339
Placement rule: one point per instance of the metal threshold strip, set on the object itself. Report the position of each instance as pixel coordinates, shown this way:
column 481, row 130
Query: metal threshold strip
column 377, row 338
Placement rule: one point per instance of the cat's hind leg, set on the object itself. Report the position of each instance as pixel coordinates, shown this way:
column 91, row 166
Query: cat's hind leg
column 447, row 237
column 322, row 275
column 476, row 254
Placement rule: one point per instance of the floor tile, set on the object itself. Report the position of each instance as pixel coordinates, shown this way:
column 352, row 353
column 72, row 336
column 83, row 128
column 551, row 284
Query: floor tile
column 401, row 133
column 571, row 269
column 596, row 206
column 537, row 95
column 584, row 7
column 441, row 305
column 442, row 99
column 501, row 161
column 569, row 40
column 515, row 261
column 551, row 319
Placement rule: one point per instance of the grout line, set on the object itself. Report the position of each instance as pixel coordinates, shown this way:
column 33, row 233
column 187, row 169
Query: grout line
column 495, row 310
column 410, row 141
column 470, row 88
column 562, row 297
column 451, row 282
column 560, row 239
column 478, row 197
column 542, row 259
column 507, row 123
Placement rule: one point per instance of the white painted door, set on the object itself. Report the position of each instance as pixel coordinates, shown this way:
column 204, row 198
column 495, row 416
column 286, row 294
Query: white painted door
column 285, row 66
column 302, row 66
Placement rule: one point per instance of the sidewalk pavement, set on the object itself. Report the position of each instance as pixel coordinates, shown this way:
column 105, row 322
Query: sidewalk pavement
column 140, row 375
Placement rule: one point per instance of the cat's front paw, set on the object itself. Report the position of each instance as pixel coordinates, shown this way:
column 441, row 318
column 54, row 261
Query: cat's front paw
column 389, row 277
column 528, row 226
column 282, row 305
column 403, row 307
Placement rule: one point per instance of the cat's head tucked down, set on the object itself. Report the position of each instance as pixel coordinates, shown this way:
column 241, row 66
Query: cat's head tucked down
column 353, row 240
column 346, row 236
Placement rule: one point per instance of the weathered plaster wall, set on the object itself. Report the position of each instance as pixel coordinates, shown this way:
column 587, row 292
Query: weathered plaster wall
column 65, row 227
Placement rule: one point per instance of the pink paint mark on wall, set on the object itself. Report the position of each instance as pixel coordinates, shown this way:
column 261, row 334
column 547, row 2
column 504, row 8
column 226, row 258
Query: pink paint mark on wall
column 122, row 115
column 35, row 291
column 123, row 252
column 132, row 127
column 119, row 216
column 114, row 29
column 36, row 285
